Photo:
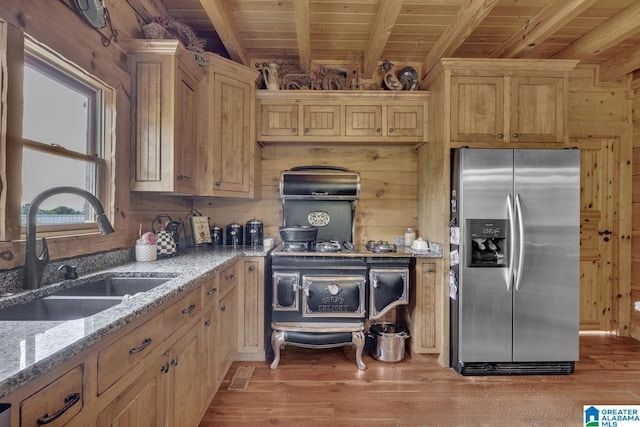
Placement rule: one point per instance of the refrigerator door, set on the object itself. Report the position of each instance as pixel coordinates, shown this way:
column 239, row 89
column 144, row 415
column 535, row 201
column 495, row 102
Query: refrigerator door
column 546, row 289
column 484, row 300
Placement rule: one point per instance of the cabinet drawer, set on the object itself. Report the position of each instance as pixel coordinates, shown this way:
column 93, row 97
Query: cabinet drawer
column 117, row 359
column 57, row 403
column 228, row 279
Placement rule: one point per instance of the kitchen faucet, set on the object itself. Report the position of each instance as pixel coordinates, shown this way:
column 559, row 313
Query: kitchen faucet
column 34, row 264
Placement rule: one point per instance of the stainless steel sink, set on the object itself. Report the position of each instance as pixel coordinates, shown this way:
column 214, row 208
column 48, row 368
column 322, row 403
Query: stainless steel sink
column 55, row 308
column 83, row 300
column 115, row 286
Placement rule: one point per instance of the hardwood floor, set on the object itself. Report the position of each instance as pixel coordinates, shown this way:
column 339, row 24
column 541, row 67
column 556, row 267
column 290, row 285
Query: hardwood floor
column 324, row 388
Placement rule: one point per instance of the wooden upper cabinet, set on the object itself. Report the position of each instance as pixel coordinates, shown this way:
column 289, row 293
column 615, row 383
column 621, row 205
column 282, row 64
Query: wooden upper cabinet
column 232, row 155
column 477, row 109
column 506, row 101
column 537, row 112
column 342, row 116
column 321, row 120
column 166, row 132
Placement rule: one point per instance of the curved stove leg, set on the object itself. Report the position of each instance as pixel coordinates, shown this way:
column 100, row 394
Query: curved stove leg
column 277, row 341
column 357, row 338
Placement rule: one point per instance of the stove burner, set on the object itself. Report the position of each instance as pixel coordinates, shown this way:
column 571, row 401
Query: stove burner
column 327, row 246
column 380, row 246
column 295, row 246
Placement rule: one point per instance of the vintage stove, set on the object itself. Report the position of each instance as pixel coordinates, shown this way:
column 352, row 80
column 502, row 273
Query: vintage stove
column 322, row 292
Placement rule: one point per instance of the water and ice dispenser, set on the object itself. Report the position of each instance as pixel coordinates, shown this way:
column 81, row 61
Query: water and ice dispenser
column 488, row 245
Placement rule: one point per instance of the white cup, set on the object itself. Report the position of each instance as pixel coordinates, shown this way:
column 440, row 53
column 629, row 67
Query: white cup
column 146, row 252
column 420, row 245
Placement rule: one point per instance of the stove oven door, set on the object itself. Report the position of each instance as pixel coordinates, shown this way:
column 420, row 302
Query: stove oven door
column 340, row 296
column 389, row 287
column 286, row 290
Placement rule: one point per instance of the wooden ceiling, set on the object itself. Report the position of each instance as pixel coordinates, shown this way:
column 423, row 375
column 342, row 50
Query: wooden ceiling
column 366, row 32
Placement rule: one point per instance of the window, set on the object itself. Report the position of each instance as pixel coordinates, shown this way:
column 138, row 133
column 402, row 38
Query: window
column 65, row 144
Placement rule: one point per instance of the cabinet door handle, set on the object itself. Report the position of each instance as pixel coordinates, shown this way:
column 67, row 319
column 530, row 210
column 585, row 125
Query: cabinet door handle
column 144, row 344
column 501, row 135
column 164, row 368
column 181, row 177
column 251, row 268
column 217, row 184
column 515, row 135
column 294, row 130
column 174, row 362
column 69, row 401
column 306, row 130
column 378, row 130
column 189, row 309
column 223, row 308
column 390, row 130
column 229, row 277
column 207, row 322
column 212, row 291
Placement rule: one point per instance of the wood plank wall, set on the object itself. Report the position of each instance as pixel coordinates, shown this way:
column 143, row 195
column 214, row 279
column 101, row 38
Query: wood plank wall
column 388, row 201
column 635, row 252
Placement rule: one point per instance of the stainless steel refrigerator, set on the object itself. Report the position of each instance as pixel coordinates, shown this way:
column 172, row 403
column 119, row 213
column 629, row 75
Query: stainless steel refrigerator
column 515, row 282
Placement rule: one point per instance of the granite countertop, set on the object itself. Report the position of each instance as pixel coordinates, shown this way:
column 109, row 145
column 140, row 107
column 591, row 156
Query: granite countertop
column 31, row 348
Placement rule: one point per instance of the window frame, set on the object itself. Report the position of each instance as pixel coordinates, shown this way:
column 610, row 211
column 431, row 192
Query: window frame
column 101, row 138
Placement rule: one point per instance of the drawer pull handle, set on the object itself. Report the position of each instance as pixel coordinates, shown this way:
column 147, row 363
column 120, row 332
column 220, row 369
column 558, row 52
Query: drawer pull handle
column 145, row 343
column 189, row 309
column 229, row 277
column 207, row 322
column 212, row 291
column 69, row 401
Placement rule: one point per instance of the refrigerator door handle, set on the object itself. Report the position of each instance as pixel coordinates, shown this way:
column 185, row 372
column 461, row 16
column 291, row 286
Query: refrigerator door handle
column 518, row 274
column 512, row 241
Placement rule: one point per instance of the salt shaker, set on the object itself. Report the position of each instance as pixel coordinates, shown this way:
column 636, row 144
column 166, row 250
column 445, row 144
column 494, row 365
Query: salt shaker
column 409, row 237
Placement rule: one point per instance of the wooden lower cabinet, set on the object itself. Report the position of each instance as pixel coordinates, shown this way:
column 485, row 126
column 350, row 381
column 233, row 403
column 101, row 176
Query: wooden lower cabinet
column 251, row 312
column 227, row 324
column 164, row 368
column 423, row 314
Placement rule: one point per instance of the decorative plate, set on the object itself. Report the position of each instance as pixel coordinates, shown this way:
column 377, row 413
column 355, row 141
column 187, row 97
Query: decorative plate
column 92, row 11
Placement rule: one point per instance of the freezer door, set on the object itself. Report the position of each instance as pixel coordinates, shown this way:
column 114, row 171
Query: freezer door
column 485, row 302
column 546, row 296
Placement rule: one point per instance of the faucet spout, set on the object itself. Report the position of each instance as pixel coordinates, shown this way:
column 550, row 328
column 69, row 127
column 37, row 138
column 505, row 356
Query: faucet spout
column 34, row 265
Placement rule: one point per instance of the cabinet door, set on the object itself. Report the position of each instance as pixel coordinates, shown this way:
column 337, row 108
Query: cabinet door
column 186, row 133
column 142, row 404
column 405, row 120
column 537, row 109
column 231, row 135
column 279, row 120
column 186, row 397
column 321, row 120
column 251, row 313
column 477, row 109
column 210, row 345
column 363, row 120
column 429, row 311
column 227, row 323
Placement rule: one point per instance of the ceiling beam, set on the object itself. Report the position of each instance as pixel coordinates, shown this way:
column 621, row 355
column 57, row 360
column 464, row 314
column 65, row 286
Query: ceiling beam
column 388, row 12
column 614, row 30
column 620, row 65
column 541, row 26
column 469, row 16
column 220, row 16
column 303, row 29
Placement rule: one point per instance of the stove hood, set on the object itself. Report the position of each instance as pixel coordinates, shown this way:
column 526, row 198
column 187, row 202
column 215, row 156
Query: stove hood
column 319, row 183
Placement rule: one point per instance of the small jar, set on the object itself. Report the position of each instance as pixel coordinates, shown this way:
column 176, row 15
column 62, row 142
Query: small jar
column 409, row 237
